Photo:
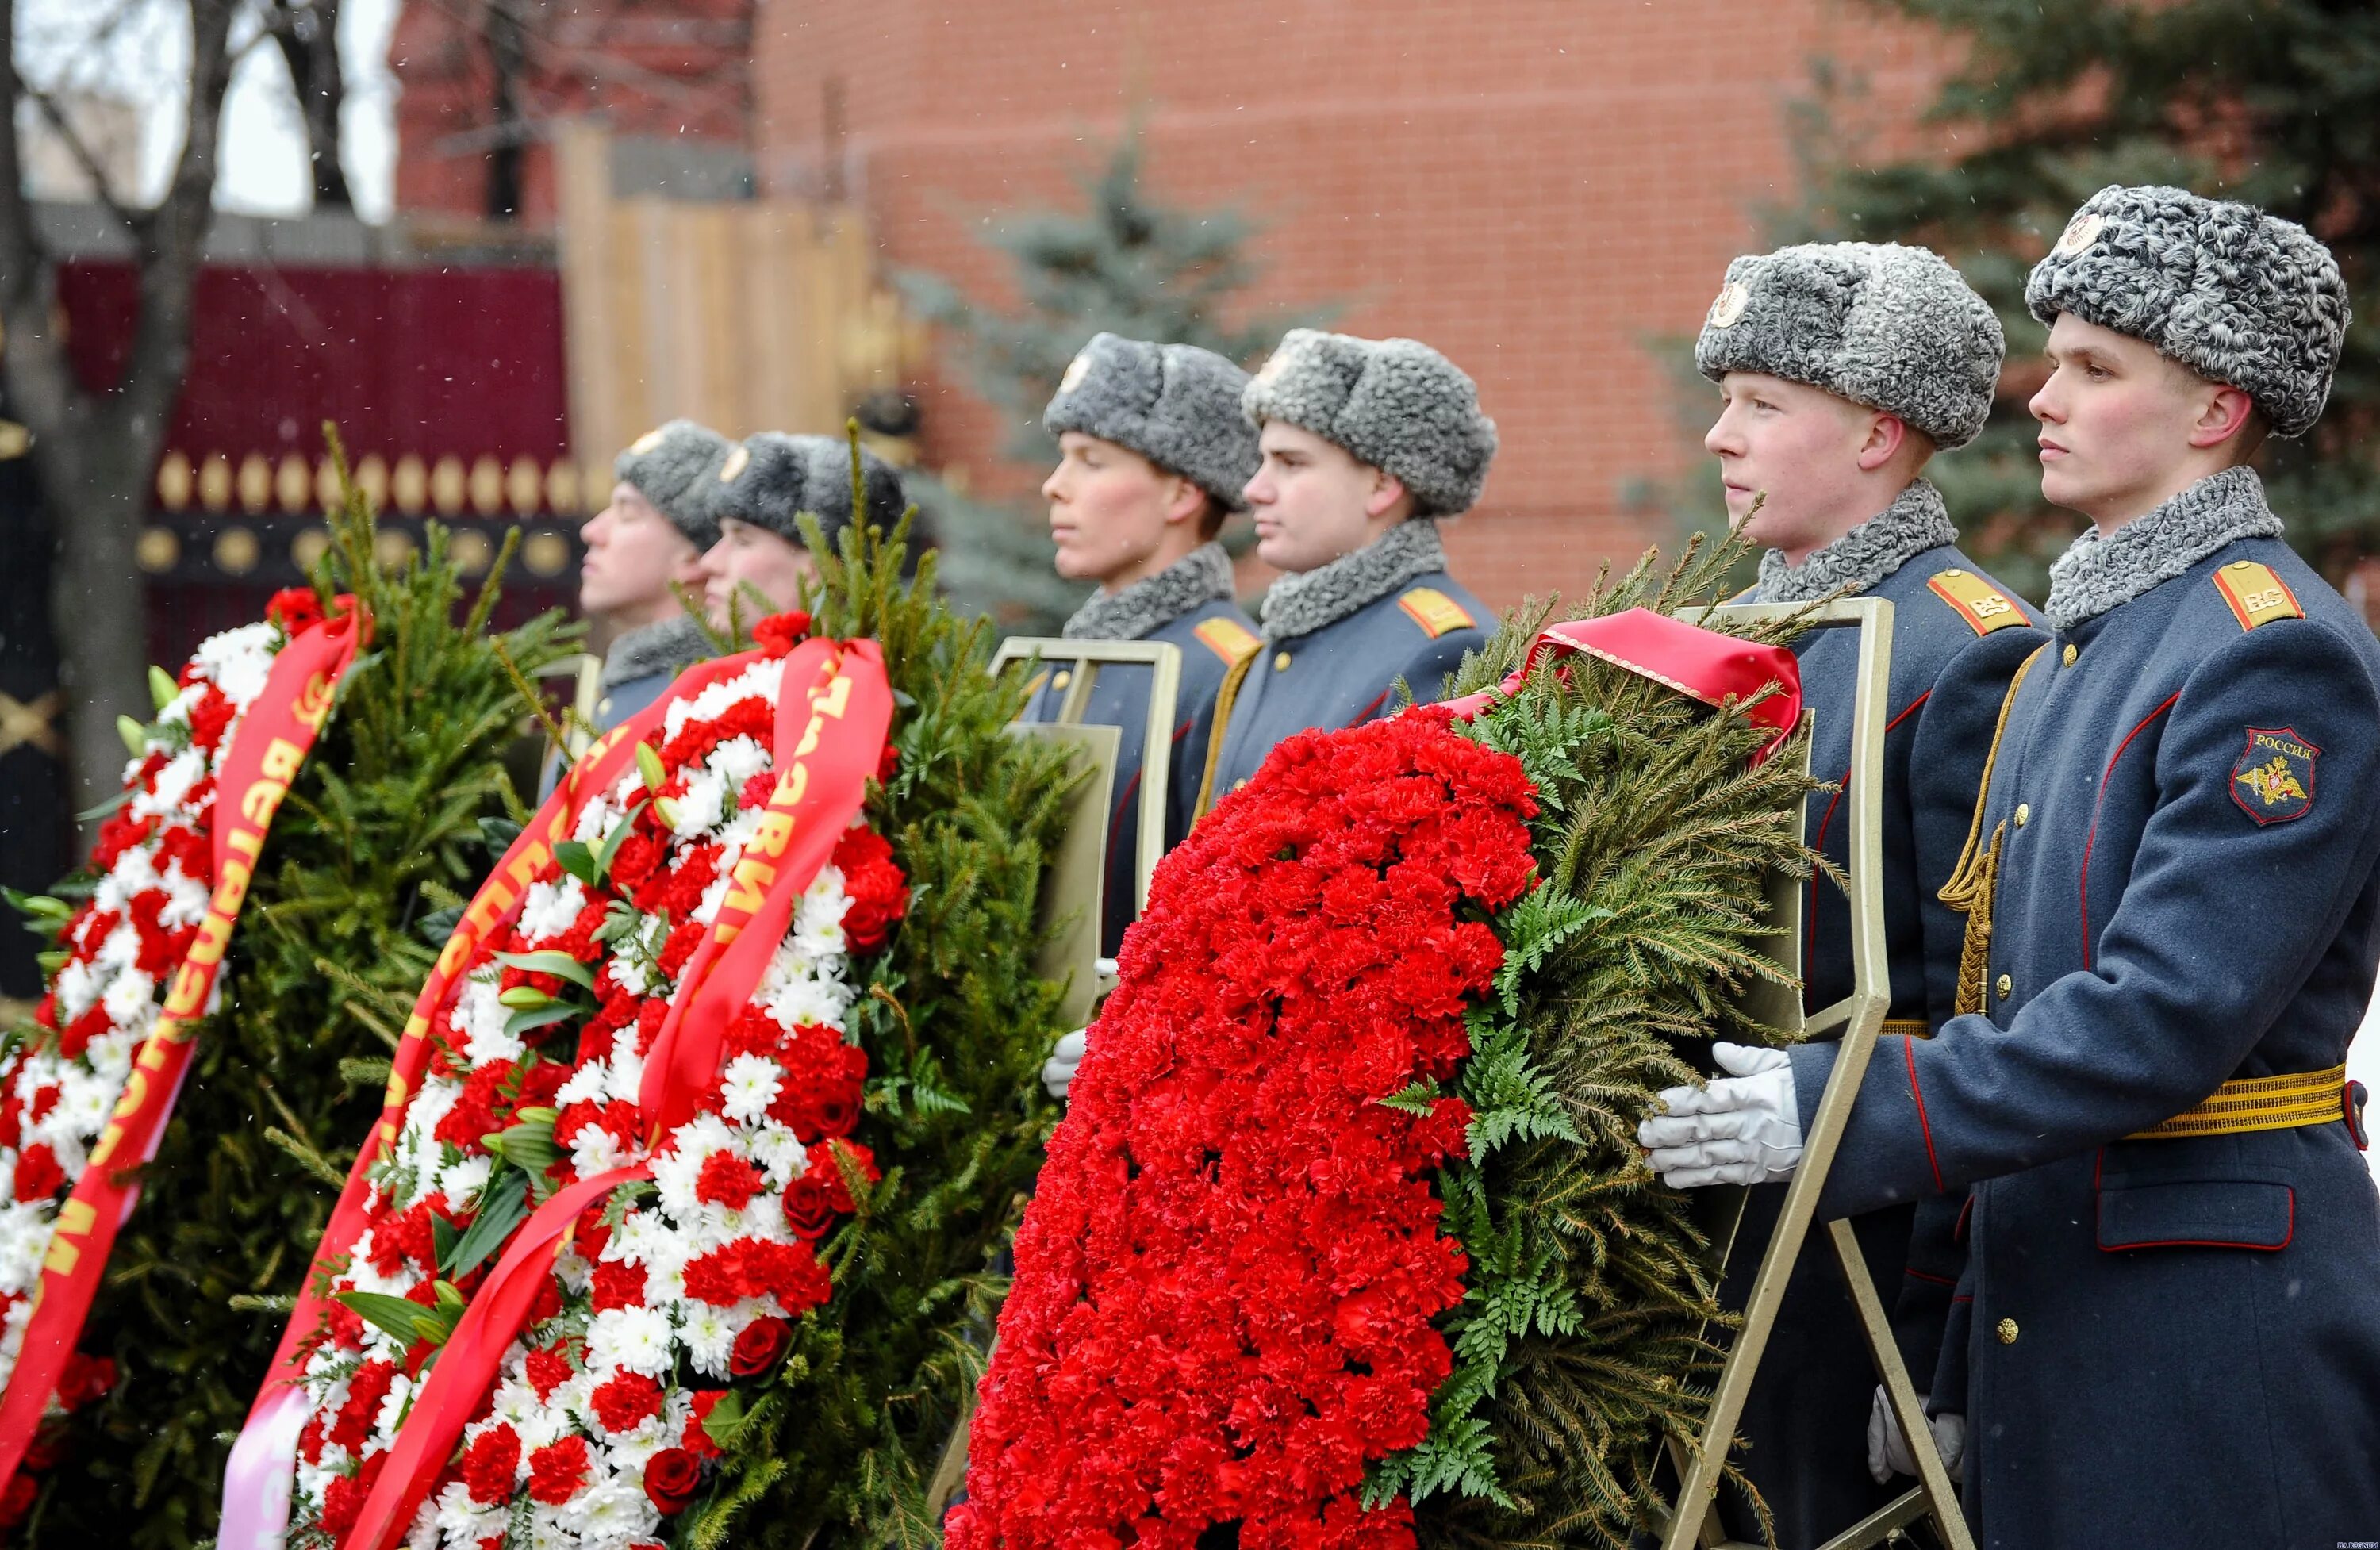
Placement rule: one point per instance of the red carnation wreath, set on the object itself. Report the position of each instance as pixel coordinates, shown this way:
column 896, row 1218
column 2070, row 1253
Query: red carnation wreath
column 1227, row 1280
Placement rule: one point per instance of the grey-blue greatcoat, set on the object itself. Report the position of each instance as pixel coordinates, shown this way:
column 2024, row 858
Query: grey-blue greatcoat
column 1120, row 698
column 1346, row 672
column 2170, row 1342
column 1952, row 661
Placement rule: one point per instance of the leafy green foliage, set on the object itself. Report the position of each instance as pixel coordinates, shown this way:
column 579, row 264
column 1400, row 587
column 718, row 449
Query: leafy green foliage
column 384, row 827
column 1585, row 1336
column 838, row 1450
column 1126, row 264
column 2266, row 100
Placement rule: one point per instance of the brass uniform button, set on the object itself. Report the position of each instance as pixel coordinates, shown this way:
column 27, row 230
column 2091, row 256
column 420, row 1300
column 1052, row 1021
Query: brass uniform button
column 2005, row 985
column 2023, row 814
column 1062, row 681
column 1280, row 661
column 2006, row 1330
column 1237, row 784
column 2072, row 652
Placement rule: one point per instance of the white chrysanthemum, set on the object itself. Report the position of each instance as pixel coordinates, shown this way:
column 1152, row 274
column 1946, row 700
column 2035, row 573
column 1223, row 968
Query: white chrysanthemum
column 551, row 908
column 461, row 1181
column 635, row 1339
column 758, row 680
column 185, row 898
column 171, row 788
column 779, row 1151
column 132, row 992
column 465, row 1521
column 480, row 1017
column 707, row 909
column 586, row 1083
column 239, row 659
column 739, row 759
column 24, row 1238
column 710, row 1337
column 626, row 1069
column 595, row 1150
column 611, row 1514
column 76, row 987
column 701, row 805
column 748, row 1086
column 392, row 1405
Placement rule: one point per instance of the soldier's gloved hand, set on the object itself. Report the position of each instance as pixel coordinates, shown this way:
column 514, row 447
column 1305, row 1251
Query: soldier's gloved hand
column 1887, row 1450
column 1743, row 1128
column 1058, row 1071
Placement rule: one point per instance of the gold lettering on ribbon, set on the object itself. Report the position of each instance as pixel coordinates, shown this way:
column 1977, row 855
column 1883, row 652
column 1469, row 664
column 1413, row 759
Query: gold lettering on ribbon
column 314, row 703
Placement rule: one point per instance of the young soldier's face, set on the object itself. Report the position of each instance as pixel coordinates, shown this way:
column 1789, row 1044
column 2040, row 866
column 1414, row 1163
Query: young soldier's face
column 748, row 559
column 1313, row 502
column 1795, row 450
column 1110, row 509
column 2122, row 427
column 633, row 554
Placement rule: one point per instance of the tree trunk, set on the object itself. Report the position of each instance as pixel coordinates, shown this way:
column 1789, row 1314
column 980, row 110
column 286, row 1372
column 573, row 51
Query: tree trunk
column 307, row 31
column 95, row 450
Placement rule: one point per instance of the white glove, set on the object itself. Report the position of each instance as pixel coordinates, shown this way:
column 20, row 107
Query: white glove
column 1743, row 1129
column 1104, row 974
column 1058, row 1071
column 1887, row 1450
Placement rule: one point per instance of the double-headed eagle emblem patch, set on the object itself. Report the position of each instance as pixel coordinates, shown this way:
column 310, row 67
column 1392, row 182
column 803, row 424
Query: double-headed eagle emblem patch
column 2273, row 782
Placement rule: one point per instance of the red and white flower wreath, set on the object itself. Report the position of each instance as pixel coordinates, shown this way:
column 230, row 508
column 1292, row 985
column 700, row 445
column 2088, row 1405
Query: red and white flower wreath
column 154, row 868
column 670, row 1290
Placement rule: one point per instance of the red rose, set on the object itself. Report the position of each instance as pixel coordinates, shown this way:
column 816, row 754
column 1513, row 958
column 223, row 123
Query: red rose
column 756, row 1350
column 809, row 1205
column 778, row 635
column 556, row 1470
column 85, row 1378
column 671, row 1477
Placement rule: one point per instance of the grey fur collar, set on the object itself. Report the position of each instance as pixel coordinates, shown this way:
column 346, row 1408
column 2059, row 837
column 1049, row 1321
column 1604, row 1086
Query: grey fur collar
column 670, row 646
column 1914, row 523
column 1150, row 604
column 1299, row 605
column 2097, row 572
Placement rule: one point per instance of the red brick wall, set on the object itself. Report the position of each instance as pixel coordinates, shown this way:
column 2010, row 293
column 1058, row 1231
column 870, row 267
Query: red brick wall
column 1541, row 189
column 661, row 67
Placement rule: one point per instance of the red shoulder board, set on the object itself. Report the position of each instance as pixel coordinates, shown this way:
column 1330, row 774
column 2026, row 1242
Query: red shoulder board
column 1435, row 612
column 1227, row 638
column 2256, row 596
column 1983, row 606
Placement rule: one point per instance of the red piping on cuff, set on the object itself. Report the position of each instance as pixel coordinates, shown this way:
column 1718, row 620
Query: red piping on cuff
column 1365, row 714
column 1922, row 1275
column 1908, row 1053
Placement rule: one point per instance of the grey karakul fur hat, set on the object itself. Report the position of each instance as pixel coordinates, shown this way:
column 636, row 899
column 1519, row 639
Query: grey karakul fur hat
column 671, row 465
column 1176, row 405
column 2238, row 296
column 773, row 477
column 1891, row 327
column 1396, row 404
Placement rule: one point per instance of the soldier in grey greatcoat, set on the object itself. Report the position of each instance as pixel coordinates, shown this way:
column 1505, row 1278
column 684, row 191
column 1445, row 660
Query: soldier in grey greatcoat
column 2171, row 1302
column 647, row 542
column 1366, row 444
column 1842, row 368
column 1153, row 455
column 758, row 562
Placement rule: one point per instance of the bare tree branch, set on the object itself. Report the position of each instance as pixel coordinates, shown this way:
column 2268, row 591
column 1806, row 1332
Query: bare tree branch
column 71, row 138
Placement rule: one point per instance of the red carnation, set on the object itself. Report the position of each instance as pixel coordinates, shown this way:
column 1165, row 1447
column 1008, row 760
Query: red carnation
column 18, row 1499
column 626, row 1400
column 695, row 1439
column 490, row 1465
column 548, row 1369
column 38, row 1173
column 758, row 1347
column 618, row 1284
column 294, row 608
column 779, row 632
column 727, row 1179
column 556, row 1471
column 671, row 1477
column 344, row 1498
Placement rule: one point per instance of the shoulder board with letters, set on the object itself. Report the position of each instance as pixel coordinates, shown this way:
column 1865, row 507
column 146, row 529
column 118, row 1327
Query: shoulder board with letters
column 1983, row 606
column 1227, row 638
column 1435, row 612
column 2255, row 594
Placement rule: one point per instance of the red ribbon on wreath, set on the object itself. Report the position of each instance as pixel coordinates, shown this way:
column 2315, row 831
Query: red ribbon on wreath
column 1720, row 670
